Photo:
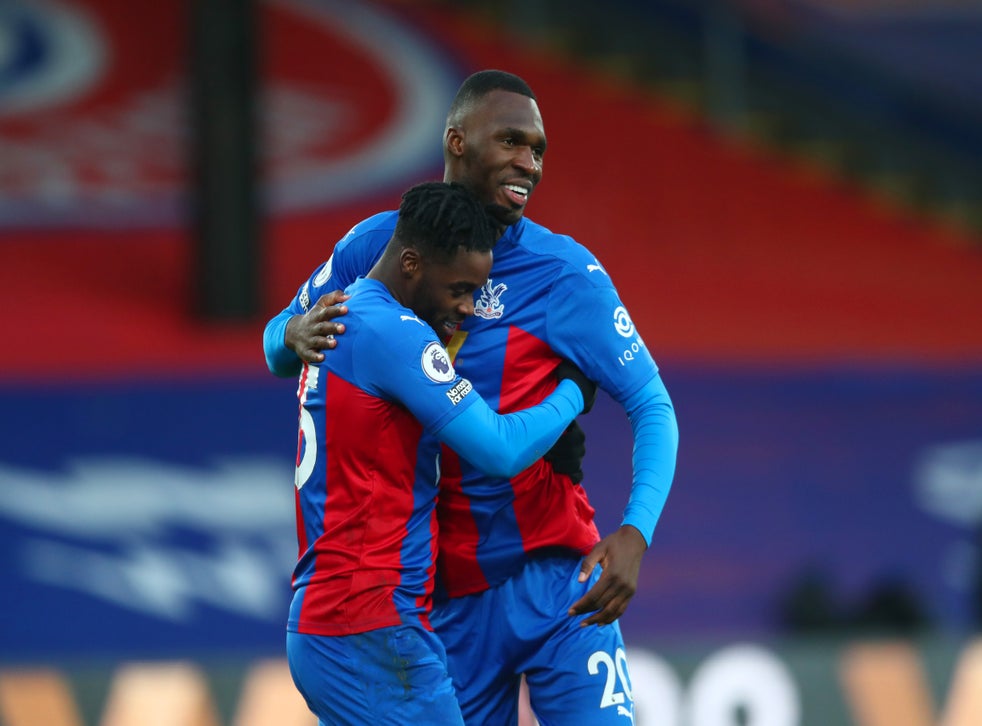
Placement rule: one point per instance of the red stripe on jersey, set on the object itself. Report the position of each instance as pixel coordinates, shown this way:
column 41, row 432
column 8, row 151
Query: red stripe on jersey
column 551, row 511
column 526, row 377
column 369, row 499
column 457, row 562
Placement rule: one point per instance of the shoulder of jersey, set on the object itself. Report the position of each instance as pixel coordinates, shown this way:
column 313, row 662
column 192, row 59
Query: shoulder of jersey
column 376, row 231
column 375, row 301
column 566, row 251
column 383, row 222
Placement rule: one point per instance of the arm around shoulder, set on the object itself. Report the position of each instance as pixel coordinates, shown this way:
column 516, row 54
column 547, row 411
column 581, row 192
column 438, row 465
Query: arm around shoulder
column 290, row 339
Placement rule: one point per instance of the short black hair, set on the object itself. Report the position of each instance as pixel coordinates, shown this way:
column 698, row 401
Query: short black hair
column 478, row 85
column 436, row 218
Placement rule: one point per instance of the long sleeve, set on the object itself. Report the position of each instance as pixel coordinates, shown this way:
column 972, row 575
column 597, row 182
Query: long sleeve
column 503, row 445
column 280, row 360
column 656, row 438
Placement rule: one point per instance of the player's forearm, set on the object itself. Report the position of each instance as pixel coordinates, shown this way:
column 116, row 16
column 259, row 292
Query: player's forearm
column 656, row 438
column 504, row 445
column 280, row 360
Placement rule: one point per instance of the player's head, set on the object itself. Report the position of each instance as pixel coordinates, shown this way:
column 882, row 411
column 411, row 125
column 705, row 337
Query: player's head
column 443, row 238
column 494, row 142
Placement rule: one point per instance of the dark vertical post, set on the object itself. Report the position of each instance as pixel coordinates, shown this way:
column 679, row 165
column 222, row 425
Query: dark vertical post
column 725, row 66
column 226, row 217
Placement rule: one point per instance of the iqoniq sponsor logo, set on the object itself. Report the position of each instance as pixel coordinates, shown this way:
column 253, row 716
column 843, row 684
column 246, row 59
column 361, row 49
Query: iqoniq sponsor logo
column 625, row 328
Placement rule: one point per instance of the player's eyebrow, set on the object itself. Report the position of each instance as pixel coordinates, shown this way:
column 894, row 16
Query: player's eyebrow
column 523, row 136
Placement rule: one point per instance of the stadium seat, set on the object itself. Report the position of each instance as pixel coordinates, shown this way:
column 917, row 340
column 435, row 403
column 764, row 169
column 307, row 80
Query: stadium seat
column 269, row 698
column 964, row 707
column 36, row 698
column 885, row 685
column 159, row 694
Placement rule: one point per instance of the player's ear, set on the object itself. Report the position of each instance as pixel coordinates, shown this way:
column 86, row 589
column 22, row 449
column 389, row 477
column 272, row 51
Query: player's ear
column 454, row 141
column 409, row 262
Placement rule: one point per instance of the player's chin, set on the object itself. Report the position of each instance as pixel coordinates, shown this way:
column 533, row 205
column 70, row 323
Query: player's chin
column 506, row 215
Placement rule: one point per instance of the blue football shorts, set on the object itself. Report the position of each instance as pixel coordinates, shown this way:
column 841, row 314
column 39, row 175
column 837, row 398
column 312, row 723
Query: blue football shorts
column 390, row 676
column 577, row 676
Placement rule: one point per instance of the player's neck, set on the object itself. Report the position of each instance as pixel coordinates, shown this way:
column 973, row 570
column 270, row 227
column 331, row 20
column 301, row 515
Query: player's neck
column 387, row 272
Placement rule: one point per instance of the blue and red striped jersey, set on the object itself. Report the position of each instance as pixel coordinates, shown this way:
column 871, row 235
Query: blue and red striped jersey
column 548, row 298
column 367, row 475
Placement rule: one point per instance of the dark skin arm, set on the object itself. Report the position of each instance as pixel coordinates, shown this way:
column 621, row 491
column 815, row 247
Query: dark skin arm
column 308, row 334
column 619, row 554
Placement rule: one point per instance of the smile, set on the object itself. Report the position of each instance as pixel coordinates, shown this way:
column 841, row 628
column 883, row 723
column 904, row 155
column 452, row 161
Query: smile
column 517, row 193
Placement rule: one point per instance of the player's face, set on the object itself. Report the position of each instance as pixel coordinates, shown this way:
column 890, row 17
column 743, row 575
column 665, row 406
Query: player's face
column 444, row 294
column 500, row 144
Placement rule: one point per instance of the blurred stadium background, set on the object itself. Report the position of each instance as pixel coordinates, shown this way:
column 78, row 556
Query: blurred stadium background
column 788, row 194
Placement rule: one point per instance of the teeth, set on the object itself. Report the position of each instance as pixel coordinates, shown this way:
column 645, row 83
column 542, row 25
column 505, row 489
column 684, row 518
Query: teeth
column 517, row 189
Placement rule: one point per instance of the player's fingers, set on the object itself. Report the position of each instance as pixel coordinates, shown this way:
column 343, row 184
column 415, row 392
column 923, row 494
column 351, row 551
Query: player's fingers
column 326, row 329
column 608, row 613
column 311, row 355
column 325, row 314
column 605, row 616
column 593, row 599
column 584, row 605
column 589, row 562
column 332, row 298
